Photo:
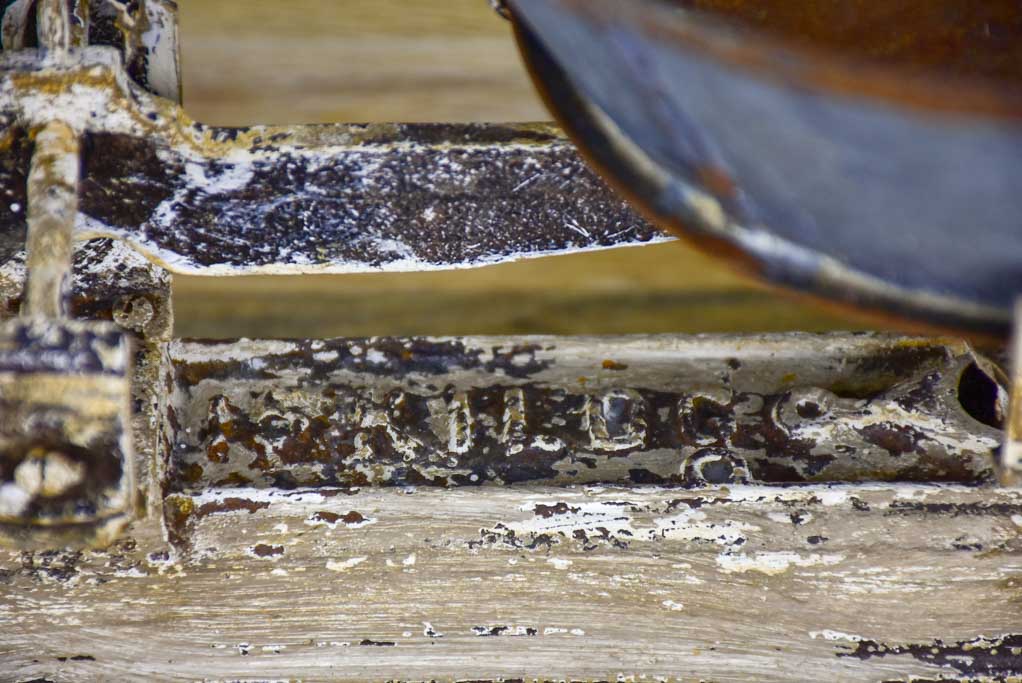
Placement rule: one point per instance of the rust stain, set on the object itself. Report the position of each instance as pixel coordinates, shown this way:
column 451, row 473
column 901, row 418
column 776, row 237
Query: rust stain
column 332, row 518
column 231, row 504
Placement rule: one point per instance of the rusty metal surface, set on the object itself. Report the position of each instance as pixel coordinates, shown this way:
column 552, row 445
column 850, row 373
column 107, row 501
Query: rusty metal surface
column 666, row 410
column 112, row 283
column 71, row 392
column 109, row 281
column 66, row 460
column 335, row 198
column 261, row 556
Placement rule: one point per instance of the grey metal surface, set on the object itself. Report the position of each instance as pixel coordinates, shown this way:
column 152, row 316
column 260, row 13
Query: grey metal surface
column 874, row 202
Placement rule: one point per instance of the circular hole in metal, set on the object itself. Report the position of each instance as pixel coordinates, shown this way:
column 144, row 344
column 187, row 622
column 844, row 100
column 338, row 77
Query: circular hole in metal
column 715, row 470
column 978, row 395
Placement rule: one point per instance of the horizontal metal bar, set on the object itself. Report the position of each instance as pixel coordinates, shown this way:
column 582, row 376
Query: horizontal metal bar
column 306, row 199
column 672, row 410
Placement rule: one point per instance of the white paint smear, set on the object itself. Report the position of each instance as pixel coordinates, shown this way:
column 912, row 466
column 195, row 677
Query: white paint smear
column 771, row 562
column 344, row 565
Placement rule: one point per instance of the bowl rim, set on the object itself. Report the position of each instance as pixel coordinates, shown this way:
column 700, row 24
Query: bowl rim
column 825, row 280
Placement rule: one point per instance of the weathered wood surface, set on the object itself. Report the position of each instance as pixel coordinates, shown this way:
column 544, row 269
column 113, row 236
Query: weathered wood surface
column 740, row 584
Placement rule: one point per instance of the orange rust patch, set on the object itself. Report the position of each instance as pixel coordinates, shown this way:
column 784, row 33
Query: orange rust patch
column 231, row 505
column 353, row 517
column 217, row 452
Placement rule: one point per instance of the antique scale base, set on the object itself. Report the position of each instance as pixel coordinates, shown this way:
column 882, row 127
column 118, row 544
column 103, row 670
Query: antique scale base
column 726, row 508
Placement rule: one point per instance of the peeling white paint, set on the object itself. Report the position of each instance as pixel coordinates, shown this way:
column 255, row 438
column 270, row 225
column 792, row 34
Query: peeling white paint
column 344, row 565
column 772, row 563
column 828, row 634
column 689, row 527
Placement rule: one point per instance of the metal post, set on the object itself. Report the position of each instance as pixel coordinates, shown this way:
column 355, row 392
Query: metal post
column 1011, row 452
column 53, row 27
column 52, row 205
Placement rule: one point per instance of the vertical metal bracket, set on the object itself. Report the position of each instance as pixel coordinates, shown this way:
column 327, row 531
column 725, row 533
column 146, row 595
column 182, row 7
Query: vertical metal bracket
column 66, row 456
column 1011, row 455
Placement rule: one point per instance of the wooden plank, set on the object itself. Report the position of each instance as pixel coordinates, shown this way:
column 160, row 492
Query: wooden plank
column 739, row 584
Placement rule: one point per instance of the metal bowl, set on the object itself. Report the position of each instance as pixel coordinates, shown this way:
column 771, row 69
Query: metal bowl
column 891, row 188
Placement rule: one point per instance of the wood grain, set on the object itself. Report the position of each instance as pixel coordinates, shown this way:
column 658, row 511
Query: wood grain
column 732, row 584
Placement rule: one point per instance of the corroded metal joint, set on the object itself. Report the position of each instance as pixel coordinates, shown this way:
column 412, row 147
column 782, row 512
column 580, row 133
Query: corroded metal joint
column 67, row 471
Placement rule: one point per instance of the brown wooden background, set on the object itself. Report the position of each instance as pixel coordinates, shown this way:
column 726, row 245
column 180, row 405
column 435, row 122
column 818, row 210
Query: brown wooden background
column 302, row 61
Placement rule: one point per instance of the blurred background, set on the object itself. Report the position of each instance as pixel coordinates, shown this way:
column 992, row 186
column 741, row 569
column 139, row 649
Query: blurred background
column 309, row 61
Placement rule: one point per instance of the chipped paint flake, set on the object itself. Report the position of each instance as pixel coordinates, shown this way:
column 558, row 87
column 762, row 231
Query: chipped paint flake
column 828, row 634
column 344, row 565
column 772, row 563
